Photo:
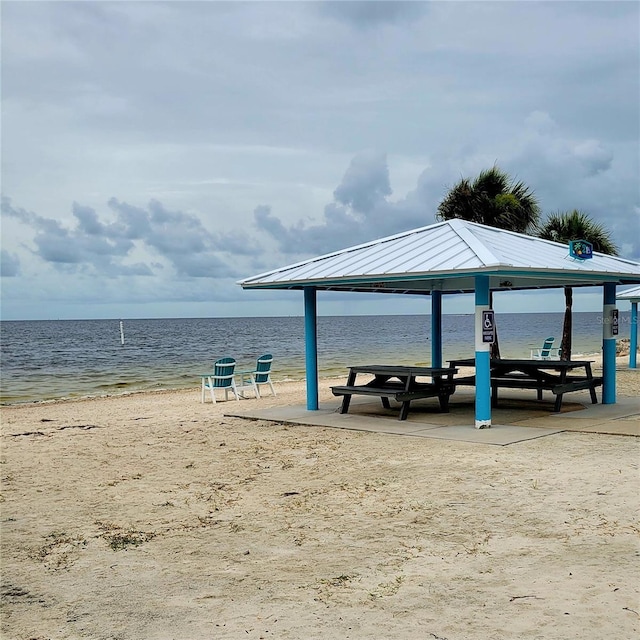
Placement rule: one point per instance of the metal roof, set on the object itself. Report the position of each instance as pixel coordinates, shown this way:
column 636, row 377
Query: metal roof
column 630, row 294
column 446, row 257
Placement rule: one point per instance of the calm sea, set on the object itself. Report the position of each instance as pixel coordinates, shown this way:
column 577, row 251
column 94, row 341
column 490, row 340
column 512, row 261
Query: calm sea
column 43, row 360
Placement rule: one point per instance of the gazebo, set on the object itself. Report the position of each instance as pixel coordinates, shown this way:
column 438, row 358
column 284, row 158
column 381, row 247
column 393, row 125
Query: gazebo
column 633, row 296
column 449, row 258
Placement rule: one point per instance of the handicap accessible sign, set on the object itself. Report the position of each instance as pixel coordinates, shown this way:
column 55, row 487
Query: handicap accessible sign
column 488, row 326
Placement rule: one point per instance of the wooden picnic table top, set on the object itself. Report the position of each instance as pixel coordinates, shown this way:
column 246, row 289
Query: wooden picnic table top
column 515, row 363
column 402, row 370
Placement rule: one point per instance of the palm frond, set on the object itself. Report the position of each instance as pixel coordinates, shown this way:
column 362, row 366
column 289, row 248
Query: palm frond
column 578, row 225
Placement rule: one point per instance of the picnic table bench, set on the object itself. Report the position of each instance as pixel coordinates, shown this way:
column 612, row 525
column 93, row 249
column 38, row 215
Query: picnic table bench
column 545, row 375
column 399, row 383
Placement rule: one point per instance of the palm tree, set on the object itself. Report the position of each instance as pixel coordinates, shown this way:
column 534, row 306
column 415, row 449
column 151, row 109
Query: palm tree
column 493, row 199
column 575, row 225
column 496, row 200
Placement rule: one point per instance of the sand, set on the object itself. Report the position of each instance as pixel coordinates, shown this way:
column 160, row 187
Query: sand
column 152, row 516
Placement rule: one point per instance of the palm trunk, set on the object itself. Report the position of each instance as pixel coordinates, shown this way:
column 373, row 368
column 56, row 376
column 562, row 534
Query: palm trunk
column 494, row 351
column 565, row 347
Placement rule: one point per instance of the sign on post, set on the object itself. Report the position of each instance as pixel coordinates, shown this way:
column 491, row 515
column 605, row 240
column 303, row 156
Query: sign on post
column 488, row 326
column 614, row 322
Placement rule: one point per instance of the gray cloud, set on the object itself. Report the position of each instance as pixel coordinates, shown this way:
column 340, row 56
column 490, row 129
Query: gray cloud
column 360, row 211
column 9, row 264
column 103, row 246
column 371, row 14
column 365, row 183
column 564, row 173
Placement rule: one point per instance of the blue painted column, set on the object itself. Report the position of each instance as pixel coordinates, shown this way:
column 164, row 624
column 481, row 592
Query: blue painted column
column 633, row 336
column 483, row 368
column 608, row 345
column 311, row 347
column 436, row 329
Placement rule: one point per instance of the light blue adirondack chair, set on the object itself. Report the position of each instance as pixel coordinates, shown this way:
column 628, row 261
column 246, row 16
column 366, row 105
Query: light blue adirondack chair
column 546, row 352
column 222, row 377
column 260, row 375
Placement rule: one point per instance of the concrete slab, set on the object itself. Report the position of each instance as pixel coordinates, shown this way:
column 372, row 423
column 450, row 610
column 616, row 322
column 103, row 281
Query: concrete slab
column 623, row 408
column 516, row 419
column 615, row 427
column 329, row 416
column 498, row 434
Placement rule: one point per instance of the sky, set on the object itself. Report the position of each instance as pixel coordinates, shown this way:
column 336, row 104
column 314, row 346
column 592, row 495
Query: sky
column 155, row 153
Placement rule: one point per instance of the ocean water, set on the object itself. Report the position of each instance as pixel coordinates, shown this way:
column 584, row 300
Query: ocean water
column 45, row 360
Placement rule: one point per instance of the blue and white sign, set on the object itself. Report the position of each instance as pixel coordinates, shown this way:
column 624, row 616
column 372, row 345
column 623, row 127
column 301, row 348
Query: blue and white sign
column 580, row 249
column 488, row 326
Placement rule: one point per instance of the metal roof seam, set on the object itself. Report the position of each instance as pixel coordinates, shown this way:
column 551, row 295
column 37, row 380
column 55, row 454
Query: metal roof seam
column 481, row 251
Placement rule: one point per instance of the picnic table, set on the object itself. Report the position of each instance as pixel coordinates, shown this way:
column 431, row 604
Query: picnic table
column 399, row 383
column 541, row 375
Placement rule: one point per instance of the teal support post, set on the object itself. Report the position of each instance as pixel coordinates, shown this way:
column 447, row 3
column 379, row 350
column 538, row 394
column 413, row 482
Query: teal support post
column 633, row 336
column 483, row 362
column 608, row 345
column 311, row 347
column 436, row 329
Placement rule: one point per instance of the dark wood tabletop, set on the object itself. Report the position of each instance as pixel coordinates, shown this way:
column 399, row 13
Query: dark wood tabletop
column 515, row 363
column 401, row 371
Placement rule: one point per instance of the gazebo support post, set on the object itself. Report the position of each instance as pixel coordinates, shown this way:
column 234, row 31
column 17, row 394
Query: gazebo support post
column 311, row 347
column 608, row 345
column 633, row 336
column 436, row 329
column 483, row 364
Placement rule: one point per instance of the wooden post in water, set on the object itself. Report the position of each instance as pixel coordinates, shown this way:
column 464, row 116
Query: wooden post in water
column 121, row 332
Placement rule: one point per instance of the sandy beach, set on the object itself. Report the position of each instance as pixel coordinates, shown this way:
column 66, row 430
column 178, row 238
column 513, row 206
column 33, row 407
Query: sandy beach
column 153, row 516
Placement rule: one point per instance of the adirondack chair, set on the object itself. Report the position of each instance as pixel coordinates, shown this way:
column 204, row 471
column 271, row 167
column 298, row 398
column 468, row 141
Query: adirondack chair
column 222, row 377
column 260, row 375
column 546, row 352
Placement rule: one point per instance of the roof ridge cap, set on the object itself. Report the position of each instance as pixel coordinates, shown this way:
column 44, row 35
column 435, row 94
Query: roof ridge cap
column 482, row 252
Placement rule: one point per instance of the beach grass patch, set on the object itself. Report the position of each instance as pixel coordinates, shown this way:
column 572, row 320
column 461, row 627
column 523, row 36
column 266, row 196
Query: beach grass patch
column 337, row 587
column 121, row 539
column 60, row 550
column 338, row 581
column 385, row 589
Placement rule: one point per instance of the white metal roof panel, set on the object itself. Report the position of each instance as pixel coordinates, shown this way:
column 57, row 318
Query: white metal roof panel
column 630, row 294
column 449, row 250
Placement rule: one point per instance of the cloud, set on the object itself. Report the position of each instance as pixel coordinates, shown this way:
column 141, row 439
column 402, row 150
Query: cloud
column 9, row 264
column 360, row 211
column 365, row 183
column 363, row 15
column 593, row 157
column 106, row 247
column 564, row 172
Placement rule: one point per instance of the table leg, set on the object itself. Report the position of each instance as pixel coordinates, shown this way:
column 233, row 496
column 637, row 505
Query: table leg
column 345, row 404
column 494, row 395
column 385, row 402
column 404, row 410
column 558, row 404
column 592, row 390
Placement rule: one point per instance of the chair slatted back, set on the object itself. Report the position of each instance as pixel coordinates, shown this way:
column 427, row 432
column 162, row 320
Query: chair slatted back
column 263, row 368
column 545, row 352
column 223, row 371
